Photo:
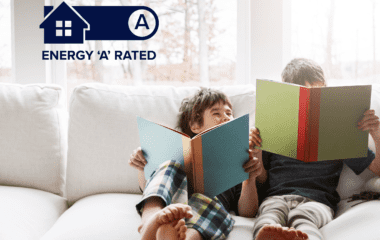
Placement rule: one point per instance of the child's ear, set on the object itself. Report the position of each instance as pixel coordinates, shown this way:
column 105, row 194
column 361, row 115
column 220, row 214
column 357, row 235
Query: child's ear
column 195, row 128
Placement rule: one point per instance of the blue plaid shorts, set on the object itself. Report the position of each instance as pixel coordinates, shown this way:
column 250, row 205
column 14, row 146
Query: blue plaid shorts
column 169, row 182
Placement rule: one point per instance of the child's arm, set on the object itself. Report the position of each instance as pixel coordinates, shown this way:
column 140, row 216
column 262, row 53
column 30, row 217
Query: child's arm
column 255, row 140
column 137, row 160
column 248, row 201
column 371, row 122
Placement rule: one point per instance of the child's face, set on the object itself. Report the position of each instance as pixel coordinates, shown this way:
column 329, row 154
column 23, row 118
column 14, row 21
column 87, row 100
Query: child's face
column 217, row 114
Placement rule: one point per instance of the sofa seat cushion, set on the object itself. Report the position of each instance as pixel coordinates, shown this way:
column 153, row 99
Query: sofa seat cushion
column 358, row 222
column 242, row 229
column 98, row 217
column 28, row 213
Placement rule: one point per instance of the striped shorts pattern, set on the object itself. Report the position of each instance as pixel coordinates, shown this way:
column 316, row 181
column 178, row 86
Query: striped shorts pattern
column 294, row 211
column 169, row 182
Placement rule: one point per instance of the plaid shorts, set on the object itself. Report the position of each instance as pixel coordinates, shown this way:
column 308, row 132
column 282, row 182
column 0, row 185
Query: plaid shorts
column 169, row 182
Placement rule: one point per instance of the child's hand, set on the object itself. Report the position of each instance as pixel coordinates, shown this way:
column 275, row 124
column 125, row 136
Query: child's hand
column 254, row 139
column 137, row 159
column 369, row 122
column 254, row 166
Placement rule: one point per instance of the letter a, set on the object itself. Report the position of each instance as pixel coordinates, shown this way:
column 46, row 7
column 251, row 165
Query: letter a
column 144, row 20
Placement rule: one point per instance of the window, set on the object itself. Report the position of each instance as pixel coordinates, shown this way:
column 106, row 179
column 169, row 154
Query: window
column 5, row 41
column 342, row 36
column 58, row 24
column 63, row 29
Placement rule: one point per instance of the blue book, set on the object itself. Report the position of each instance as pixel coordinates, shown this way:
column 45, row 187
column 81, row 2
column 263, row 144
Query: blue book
column 213, row 160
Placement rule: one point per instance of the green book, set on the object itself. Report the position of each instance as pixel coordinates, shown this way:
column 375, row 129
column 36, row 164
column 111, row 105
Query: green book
column 312, row 124
column 213, row 160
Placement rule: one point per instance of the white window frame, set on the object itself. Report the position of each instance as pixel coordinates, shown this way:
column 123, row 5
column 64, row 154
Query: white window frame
column 27, row 42
column 263, row 39
column 263, row 42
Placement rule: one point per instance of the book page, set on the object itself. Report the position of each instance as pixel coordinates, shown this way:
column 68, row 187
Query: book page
column 341, row 108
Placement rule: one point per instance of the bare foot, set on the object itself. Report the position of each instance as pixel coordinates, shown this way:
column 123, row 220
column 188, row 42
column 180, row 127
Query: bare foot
column 181, row 229
column 169, row 218
column 277, row 232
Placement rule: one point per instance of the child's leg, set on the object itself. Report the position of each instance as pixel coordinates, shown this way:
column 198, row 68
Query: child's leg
column 167, row 185
column 210, row 219
column 309, row 217
column 192, row 234
column 273, row 211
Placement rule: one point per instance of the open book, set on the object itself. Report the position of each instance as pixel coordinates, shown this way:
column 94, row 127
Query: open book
column 213, row 160
column 312, row 124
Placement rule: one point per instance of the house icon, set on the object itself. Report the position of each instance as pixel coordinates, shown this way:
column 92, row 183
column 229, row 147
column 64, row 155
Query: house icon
column 64, row 25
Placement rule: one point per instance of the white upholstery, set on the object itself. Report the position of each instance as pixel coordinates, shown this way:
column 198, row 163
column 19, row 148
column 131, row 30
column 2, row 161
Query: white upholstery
column 32, row 137
column 359, row 222
column 27, row 213
column 103, row 131
column 99, row 217
column 242, row 229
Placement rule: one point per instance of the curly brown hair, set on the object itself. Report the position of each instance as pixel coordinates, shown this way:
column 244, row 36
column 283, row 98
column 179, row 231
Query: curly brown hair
column 301, row 70
column 192, row 108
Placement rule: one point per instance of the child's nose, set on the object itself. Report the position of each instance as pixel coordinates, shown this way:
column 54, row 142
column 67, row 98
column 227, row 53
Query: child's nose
column 226, row 118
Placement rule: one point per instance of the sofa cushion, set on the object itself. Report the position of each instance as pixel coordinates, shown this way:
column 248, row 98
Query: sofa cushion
column 33, row 137
column 103, row 131
column 99, row 217
column 359, row 222
column 28, row 213
column 243, row 228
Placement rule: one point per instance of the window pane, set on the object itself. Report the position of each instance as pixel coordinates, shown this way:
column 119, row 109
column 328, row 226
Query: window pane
column 176, row 45
column 58, row 33
column 5, row 41
column 342, row 36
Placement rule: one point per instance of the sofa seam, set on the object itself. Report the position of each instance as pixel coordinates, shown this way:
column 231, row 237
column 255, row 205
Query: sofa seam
column 61, row 184
column 121, row 93
column 40, row 85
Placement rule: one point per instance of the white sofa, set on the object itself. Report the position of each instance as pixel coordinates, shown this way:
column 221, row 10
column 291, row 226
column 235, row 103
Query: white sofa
column 66, row 175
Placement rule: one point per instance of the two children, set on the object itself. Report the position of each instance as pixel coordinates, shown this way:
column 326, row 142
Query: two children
column 301, row 195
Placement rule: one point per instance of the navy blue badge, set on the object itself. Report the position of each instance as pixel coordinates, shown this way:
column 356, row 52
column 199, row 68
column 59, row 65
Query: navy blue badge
column 67, row 24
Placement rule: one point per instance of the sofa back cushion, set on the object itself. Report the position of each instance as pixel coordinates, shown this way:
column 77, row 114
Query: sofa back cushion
column 33, row 137
column 103, row 131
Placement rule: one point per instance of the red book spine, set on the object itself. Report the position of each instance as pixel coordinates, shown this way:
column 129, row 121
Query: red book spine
column 198, row 178
column 315, row 102
column 303, row 125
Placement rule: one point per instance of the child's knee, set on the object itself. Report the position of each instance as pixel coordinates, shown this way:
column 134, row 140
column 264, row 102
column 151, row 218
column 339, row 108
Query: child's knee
column 172, row 164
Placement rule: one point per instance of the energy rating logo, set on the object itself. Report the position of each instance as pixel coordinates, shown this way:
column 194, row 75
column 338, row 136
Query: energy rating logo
column 74, row 25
